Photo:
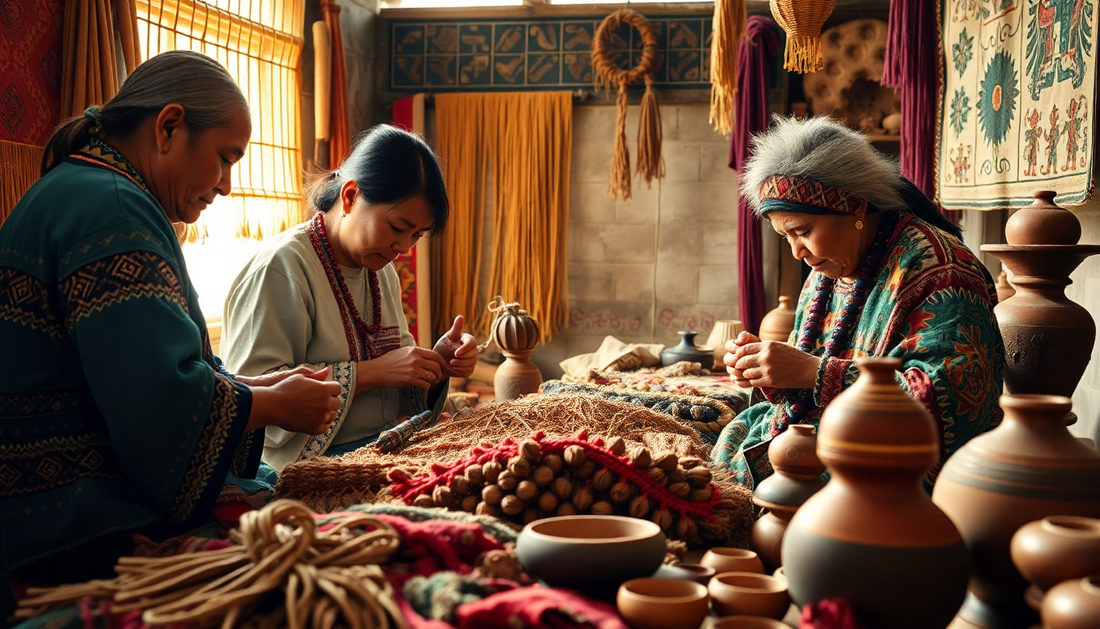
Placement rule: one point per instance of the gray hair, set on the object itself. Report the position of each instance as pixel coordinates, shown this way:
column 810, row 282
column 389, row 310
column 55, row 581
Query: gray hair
column 825, row 151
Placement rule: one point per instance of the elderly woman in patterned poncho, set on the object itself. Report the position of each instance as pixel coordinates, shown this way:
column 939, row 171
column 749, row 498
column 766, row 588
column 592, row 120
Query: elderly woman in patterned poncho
column 890, row 277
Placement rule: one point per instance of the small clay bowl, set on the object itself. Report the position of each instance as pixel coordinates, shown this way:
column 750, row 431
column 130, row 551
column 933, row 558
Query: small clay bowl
column 732, row 560
column 749, row 594
column 1073, row 605
column 591, row 553
column 780, row 574
column 747, row 622
column 652, row 603
column 1056, row 549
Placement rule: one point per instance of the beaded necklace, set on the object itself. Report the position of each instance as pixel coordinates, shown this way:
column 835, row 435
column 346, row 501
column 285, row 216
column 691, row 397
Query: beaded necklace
column 358, row 333
column 101, row 154
column 813, row 325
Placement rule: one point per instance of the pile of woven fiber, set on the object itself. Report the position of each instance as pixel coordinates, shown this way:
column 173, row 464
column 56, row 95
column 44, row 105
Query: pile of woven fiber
column 327, row 484
column 543, row 476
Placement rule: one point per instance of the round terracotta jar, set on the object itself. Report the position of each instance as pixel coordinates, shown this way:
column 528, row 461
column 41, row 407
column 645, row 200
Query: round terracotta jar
column 516, row 334
column 1027, row 468
column 1057, row 548
column 778, row 323
column 872, row 535
column 1073, row 605
column 1043, row 223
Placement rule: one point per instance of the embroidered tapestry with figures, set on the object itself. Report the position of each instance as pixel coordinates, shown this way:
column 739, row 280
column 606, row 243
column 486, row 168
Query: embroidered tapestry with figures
column 1017, row 111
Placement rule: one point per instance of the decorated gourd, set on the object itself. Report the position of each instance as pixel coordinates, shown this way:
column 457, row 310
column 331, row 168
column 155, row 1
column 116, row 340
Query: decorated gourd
column 513, row 329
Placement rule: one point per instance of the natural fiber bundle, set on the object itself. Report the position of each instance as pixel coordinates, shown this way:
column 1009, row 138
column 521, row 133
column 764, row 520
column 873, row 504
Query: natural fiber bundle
column 729, row 27
column 328, row 577
column 327, row 484
column 802, row 20
column 608, row 74
column 20, row 164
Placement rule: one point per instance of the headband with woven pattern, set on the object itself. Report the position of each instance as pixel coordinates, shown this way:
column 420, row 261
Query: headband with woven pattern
column 795, row 194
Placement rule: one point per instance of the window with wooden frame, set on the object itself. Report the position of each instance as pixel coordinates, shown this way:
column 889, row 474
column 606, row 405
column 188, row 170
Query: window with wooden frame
column 259, row 42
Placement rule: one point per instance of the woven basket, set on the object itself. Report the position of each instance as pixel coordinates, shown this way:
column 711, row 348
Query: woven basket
column 802, row 20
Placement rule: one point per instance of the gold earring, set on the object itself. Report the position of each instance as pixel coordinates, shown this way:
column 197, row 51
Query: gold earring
column 859, row 225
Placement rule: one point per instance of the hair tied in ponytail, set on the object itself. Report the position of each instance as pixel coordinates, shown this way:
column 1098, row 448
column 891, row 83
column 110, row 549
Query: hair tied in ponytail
column 95, row 114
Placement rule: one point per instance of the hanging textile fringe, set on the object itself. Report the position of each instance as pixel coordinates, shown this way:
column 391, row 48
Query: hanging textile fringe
column 608, row 74
column 20, row 164
column 729, row 28
column 803, row 26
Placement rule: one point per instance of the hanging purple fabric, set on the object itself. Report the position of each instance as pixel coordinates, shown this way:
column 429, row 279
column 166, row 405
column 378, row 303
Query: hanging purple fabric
column 912, row 67
column 759, row 44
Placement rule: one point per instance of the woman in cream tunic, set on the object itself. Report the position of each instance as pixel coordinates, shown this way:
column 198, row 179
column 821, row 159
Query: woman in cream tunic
column 324, row 293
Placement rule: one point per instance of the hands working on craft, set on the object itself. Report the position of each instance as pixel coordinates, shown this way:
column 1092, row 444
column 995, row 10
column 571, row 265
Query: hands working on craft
column 454, row 355
column 297, row 400
column 755, row 363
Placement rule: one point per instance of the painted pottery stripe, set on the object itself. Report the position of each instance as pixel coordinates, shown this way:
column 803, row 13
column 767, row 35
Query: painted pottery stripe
column 877, row 448
column 1039, row 483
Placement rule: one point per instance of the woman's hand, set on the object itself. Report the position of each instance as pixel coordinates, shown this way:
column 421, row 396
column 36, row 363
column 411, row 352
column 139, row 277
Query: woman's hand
column 408, row 366
column 458, row 350
column 752, row 362
column 305, row 403
column 275, row 377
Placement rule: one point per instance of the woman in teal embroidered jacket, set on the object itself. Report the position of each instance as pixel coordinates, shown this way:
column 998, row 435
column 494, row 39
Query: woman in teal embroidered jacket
column 890, row 278
column 115, row 417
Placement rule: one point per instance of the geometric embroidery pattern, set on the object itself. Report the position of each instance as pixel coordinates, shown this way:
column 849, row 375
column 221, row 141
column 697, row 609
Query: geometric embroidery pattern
column 52, row 403
column 51, row 462
column 199, row 479
column 116, row 279
column 812, row 193
column 25, row 301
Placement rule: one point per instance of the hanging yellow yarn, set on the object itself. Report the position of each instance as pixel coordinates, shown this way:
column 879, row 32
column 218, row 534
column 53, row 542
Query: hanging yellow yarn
column 729, row 27
column 803, row 27
column 608, row 74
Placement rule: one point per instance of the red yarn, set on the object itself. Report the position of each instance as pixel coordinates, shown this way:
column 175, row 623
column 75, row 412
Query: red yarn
column 408, row 488
column 831, row 613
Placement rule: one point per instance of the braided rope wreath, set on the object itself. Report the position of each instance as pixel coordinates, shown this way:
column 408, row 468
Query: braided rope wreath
column 607, row 74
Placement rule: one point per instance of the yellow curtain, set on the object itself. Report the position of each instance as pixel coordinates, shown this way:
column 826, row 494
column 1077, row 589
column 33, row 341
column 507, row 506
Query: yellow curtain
column 524, row 142
column 259, row 43
column 19, row 164
column 89, row 73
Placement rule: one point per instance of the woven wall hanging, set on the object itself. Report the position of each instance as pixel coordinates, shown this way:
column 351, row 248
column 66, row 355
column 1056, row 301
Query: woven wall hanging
column 803, row 27
column 609, row 74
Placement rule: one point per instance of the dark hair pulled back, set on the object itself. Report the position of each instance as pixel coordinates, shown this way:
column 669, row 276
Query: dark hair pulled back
column 202, row 86
column 389, row 165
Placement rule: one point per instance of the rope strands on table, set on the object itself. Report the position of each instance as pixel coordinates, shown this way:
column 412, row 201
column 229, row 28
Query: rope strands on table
column 729, row 27
column 329, row 577
column 802, row 20
column 607, row 74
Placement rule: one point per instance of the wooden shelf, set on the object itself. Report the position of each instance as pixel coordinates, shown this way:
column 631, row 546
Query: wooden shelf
column 883, row 138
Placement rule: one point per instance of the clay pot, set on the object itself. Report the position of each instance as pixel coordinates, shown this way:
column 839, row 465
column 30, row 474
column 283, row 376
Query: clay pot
column 749, row 594
column 1073, row 605
column 798, row 475
column 591, row 553
column 689, row 351
column 732, row 560
column 1057, row 548
column 1048, row 338
column 687, row 572
column 777, row 324
column 872, row 535
column 1043, row 223
column 516, row 334
column 1028, row 468
column 747, row 622
column 662, row 603
column 724, row 330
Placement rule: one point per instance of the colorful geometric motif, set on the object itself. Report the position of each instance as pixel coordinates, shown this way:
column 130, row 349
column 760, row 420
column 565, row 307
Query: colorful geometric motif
column 536, row 54
column 813, row 193
column 30, row 70
column 1034, row 71
column 122, row 277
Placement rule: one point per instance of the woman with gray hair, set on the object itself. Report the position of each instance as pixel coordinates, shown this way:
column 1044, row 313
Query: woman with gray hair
column 890, row 278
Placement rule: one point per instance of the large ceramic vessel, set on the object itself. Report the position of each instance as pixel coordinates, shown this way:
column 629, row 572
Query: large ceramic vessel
column 1027, row 468
column 1048, row 338
column 777, row 324
column 872, row 535
column 798, row 475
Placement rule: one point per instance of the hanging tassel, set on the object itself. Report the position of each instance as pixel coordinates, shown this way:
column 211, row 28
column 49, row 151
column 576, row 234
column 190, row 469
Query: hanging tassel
column 650, row 165
column 619, row 185
column 803, row 54
column 729, row 28
column 21, row 164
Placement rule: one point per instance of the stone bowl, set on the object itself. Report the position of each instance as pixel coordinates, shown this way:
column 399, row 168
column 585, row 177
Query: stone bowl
column 652, row 603
column 593, row 554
